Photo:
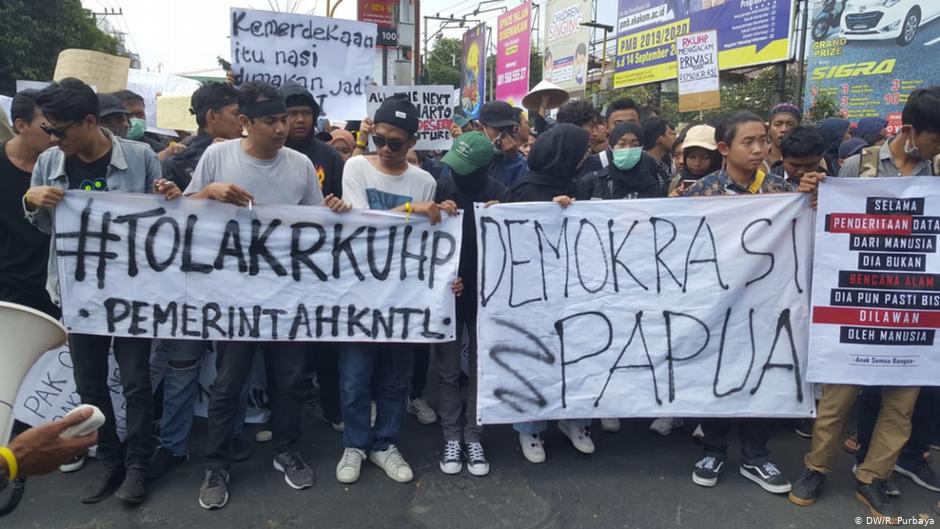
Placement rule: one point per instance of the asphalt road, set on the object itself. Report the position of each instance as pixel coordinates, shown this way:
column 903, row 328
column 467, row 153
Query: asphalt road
column 636, row 479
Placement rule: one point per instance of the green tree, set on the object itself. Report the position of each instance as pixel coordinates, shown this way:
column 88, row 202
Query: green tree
column 442, row 63
column 33, row 32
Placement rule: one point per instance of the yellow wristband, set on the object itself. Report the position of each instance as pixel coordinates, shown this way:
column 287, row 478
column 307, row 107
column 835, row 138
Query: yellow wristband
column 7, row 454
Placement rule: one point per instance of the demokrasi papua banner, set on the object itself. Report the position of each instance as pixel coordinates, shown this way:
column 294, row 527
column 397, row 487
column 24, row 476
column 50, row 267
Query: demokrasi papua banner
column 644, row 308
column 139, row 265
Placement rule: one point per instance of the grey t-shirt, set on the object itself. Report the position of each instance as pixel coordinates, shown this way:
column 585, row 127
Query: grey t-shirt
column 287, row 179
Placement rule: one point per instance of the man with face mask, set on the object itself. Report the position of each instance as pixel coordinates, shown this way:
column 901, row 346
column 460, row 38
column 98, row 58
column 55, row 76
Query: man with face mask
column 302, row 113
column 631, row 174
column 137, row 125
column 113, row 115
column 501, row 125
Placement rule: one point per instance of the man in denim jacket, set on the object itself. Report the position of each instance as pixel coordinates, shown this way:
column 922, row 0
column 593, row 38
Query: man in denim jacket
column 88, row 157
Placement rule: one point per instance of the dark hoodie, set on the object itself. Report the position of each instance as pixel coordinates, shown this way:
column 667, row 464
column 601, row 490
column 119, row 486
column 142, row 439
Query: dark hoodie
column 326, row 161
column 613, row 183
column 833, row 130
column 870, row 129
column 553, row 164
column 179, row 167
column 477, row 186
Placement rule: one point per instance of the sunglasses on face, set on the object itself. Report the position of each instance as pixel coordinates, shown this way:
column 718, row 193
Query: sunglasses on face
column 393, row 145
column 57, row 132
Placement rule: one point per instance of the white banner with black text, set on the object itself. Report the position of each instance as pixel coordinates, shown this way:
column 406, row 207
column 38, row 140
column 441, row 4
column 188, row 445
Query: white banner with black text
column 644, row 308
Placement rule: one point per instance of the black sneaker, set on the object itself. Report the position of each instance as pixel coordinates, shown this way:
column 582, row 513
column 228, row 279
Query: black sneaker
column 214, row 491
column 805, row 490
column 873, row 496
column 707, row 470
column 451, row 460
column 133, row 490
column 296, row 473
column 923, row 476
column 804, row 428
column 768, row 476
column 237, row 450
column 161, row 462
column 108, row 479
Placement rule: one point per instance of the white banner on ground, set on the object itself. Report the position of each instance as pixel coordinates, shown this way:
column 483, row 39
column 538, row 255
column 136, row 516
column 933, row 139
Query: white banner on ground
column 876, row 282
column 644, row 308
column 331, row 57
column 139, row 265
column 435, row 112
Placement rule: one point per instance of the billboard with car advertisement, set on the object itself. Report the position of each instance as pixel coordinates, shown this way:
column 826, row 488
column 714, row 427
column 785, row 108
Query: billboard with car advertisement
column 868, row 55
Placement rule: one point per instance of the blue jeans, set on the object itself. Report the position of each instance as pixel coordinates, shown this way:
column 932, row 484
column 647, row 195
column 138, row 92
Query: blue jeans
column 392, row 364
column 536, row 427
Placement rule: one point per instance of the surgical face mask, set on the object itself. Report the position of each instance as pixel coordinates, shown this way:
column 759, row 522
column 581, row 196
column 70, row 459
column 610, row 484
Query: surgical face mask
column 137, row 129
column 911, row 149
column 627, row 158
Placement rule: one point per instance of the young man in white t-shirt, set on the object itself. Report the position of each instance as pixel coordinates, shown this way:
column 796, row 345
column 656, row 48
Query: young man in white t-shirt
column 257, row 169
column 383, row 181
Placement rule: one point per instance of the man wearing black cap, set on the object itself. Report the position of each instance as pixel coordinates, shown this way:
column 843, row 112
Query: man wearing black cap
column 501, row 124
column 302, row 113
column 113, row 115
column 383, row 181
column 257, row 169
column 215, row 106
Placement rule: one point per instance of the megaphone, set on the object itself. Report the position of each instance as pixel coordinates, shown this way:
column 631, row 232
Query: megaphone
column 25, row 334
column 553, row 95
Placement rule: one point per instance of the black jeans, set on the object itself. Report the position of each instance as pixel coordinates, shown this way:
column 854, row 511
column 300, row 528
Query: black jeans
column 419, row 378
column 286, row 361
column 325, row 361
column 90, row 369
column 923, row 425
column 754, row 434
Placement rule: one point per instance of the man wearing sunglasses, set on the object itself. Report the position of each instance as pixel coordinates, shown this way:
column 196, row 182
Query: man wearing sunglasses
column 501, row 124
column 88, row 157
column 384, row 181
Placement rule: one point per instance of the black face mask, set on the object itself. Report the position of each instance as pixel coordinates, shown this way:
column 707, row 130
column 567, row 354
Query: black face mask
column 472, row 182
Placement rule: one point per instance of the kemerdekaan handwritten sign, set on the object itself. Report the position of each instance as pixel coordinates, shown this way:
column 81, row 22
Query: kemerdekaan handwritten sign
column 139, row 265
column 331, row 57
column 644, row 308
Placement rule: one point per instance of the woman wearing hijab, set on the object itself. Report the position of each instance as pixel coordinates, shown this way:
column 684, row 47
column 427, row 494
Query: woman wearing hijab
column 632, row 173
column 872, row 130
column 554, row 161
column 834, row 131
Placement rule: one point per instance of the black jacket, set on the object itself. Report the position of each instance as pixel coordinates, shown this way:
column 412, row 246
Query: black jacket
column 179, row 167
column 612, row 183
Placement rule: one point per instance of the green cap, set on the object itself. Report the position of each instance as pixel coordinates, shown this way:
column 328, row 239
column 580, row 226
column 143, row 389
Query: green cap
column 471, row 151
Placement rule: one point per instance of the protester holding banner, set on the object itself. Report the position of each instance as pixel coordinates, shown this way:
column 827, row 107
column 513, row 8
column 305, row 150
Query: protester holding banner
column 215, row 106
column 907, row 154
column 467, row 183
column 303, row 111
column 88, row 157
column 24, row 250
column 257, row 169
column 742, row 142
column 783, row 117
column 558, row 153
column 383, row 181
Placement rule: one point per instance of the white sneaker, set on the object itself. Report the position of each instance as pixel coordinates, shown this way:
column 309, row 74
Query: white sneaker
column 347, row 471
column 477, row 464
column 422, row 411
column 610, row 425
column 532, row 447
column 665, row 425
column 580, row 436
column 450, row 458
column 391, row 461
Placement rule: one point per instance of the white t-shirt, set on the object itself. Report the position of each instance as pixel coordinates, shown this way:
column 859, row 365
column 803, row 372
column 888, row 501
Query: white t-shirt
column 287, row 179
column 366, row 187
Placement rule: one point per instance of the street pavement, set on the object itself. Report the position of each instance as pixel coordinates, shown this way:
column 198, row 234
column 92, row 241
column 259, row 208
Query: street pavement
column 635, row 479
